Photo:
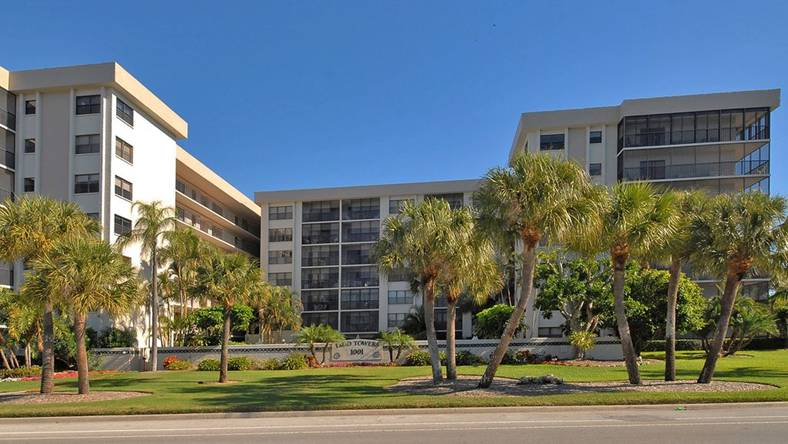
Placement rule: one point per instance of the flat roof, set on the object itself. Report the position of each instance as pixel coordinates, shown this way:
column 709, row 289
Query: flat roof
column 109, row 74
column 354, row 192
column 4, row 78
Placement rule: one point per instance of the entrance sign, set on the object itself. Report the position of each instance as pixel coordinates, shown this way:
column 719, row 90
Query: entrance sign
column 357, row 350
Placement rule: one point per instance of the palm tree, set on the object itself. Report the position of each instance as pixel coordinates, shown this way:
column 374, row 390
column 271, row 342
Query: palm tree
column 319, row 334
column 677, row 250
column 423, row 240
column 228, row 279
column 277, row 309
column 397, row 339
column 183, row 250
column 735, row 235
column 537, row 197
column 89, row 275
column 634, row 220
column 29, row 228
column 153, row 223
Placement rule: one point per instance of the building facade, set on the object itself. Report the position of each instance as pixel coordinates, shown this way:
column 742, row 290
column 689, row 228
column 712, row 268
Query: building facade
column 319, row 242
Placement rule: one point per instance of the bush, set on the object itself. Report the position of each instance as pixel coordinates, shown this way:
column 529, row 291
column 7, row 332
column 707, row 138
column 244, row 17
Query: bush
column 268, row 364
column 509, row 359
column 239, row 363
column 94, row 361
column 681, row 344
column 541, row 380
column 179, row 364
column 169, row 360
column 418, row 358
column 21, row 372
column 583, row 341
column 523, row 356
column 209, row 365
column 293, row 361
column 465, row 357
column 491, row 322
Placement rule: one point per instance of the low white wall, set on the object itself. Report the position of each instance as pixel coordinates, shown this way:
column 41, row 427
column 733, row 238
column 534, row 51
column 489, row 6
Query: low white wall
column 124, row 359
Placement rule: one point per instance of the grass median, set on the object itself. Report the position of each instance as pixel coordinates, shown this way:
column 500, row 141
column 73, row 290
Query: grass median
column 365, row 387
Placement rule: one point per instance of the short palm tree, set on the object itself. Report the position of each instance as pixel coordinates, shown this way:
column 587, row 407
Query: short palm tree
column 677, row 251
column 227, row 280
column 89, row 275
column 183, row 250
column 29, row 228
column 319, row 334
column 538, row 197
column 154, row 221
column 423, row 240
column 397, row 339
column 277, row 309
column 735, row 235
column 634, row 219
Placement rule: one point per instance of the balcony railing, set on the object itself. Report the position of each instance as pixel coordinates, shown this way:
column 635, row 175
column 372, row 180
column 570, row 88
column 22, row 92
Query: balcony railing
column 685, row 171
column 7, row 158
column 8, row 119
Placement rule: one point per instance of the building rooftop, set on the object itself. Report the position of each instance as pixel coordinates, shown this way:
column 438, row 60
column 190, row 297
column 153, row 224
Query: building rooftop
column 403, row 189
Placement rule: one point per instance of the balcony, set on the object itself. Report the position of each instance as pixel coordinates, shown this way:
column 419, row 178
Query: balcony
column 657, row 170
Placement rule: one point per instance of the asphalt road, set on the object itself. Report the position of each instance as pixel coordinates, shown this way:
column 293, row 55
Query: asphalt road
column 732, row 423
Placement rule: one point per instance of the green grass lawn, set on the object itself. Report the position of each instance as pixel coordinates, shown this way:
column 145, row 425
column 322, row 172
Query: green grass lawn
column 364, row 387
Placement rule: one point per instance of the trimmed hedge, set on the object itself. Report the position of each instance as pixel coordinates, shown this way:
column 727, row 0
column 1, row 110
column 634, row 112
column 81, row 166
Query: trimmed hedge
column 21, row 372
column 681, row 344
column 418, row 358
column 209, row 365
column 239, row 363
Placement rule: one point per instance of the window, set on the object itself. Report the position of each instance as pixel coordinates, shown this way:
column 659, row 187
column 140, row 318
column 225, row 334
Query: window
column 30, row 145
column 360, row 299
column 455, row 200
column 320, row 277
column 282, row 212
column 319, row 255
column 122, row 225
column 180, row 186
column 550, row 142
column 360, row 321
column 652, row 169
column 285, row 279
column 551, row 332
column 595, row 137
column 360, row 209
column 395, row 205
column 320, row 233
column 88, row 143
column 86, row 183
column 399, row 275
column 320, row 211
column 360, row 276
column 124, row 112
column 29, row 185
column 403, row 297
column 357, row 254
column 280, row 234
column 396, row 319
column 595, row 169
column 365, row 231
column 308, row 319
column 30, row 106
column 89, row 104
column 124, row 150
column 280, row 257
column 320, row 300
column 123, row 188
column 94, row 216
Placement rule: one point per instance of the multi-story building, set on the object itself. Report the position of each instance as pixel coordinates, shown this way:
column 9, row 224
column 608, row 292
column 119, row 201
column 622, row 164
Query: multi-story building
column 320, row 241
column 94, row 135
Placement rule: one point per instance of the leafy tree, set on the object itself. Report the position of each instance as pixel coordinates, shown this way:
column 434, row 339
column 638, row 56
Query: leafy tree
column 207, row 323
column 319, row 334
column 414, row 323
column 538, row 197
column 29, row 229
column 397, row 339
column 89, row 276
column 491, row 322
column 734, row 235
column 634, row 219
column 154, row 222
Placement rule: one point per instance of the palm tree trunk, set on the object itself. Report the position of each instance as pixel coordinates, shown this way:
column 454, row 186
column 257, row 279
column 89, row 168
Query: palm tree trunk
column 14, row 360
column 48, row 351
column 670, row 319
column 527, row 285
column 432, row 338
column 154, row 349
column 728, row 298
column 451, row 342
column 228, row 312
column 5, row 360
column 83, row 378
column 621, row 321
column 28, row 356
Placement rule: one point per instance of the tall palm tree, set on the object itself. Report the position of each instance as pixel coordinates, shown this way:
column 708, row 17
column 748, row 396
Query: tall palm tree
column 537, row 197
column 154, row 221
column 635, row 219
column 227, row 280
column 422, row 239
column 677, row 251
column 89, row 275
column 183, row 250
column 29, row 228
column 734, row 235
column 473, row 272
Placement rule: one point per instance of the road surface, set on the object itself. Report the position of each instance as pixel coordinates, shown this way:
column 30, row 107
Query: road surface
column 731, row 423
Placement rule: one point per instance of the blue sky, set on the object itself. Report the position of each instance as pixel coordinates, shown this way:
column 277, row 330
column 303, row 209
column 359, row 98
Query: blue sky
column 301, row 94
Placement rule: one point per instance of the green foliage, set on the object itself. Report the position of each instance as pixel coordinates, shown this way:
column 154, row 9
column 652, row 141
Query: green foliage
column 491, row 322
column 293, row 361
column 111, row 337
column 583, row 341
column 319, row 334
column 208, row 324
column 396, row 340
column 239, row 363
column 177, row 364
column 414, row 323
column 658, row 345
column 749, row 319
column 464, row 357
column 20, row 372
column 268, row 364
column 209, row 365
column 418, row 358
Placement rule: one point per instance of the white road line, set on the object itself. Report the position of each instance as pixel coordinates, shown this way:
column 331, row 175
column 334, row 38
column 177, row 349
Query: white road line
column 138, row 435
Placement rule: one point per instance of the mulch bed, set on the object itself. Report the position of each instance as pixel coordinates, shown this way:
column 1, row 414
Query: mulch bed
column 59, row 397
column 466, row 386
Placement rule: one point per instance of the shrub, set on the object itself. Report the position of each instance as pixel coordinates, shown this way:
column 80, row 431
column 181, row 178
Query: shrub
column 491, row 322
column 523, row 356
column 209, row 365
column 293, row 361
column 509, row 359
column 239, row 363
column 268, row 364
column 94, row 361
column 179, row 364
column 21, row 372
column 583, row 341
column 546, row 379
column 418, row 358
column 681, row 344
column 169, row 360
column 465, row 357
